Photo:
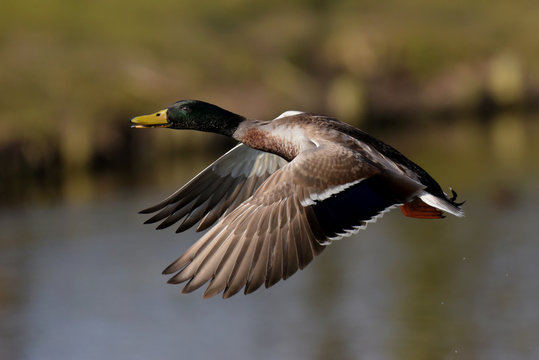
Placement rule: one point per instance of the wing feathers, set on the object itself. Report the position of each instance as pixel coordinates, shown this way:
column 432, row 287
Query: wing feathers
column 240, row 193
column 257, row 274
column 238, row 276
column 225, row 267
column 291, row 248
column 345, row 212
column 275, row 263
column 217, row 190
column 276, row 218
column 245, row 251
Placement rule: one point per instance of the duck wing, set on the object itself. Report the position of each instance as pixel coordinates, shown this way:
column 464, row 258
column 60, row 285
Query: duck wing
column 321, row 195
column 217, row 190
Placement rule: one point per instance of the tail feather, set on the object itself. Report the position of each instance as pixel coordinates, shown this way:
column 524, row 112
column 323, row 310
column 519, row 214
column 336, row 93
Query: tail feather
column 442, row 204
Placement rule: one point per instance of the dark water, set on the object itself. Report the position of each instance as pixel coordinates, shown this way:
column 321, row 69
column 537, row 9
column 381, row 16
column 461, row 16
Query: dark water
column 81, row 280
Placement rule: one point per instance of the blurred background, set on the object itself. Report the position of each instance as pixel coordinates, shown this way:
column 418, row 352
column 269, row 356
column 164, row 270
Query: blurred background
column 452, row 85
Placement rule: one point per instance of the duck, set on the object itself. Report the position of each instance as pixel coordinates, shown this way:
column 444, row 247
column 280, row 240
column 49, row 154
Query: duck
column 288, row 189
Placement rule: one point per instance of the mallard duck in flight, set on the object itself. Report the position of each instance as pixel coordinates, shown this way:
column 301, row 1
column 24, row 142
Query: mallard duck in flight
column 292, row 186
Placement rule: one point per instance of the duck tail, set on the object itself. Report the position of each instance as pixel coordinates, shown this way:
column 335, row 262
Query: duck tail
column 445, row 204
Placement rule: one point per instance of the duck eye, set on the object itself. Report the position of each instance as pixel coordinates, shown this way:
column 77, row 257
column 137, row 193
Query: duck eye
column 158, row 114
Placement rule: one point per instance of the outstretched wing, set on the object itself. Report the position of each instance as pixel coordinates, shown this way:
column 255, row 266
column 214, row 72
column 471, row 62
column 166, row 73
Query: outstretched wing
column 321, row 195
column 217, row 190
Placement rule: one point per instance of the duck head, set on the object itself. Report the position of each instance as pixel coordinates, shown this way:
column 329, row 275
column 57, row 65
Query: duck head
column 194, row 115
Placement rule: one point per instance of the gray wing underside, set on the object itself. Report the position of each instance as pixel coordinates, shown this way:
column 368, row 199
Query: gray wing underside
column 217, row 190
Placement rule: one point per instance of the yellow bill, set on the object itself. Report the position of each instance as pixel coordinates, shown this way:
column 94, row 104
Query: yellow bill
column 159, row 119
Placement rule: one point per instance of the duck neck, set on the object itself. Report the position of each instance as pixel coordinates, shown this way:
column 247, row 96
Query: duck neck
column 223, row 122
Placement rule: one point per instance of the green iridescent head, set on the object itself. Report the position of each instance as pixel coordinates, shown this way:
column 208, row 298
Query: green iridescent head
column 194, row 115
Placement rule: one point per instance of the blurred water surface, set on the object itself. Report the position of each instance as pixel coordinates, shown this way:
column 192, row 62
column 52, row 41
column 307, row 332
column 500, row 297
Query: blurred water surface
column 80, row 279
